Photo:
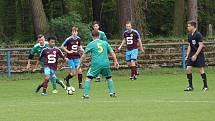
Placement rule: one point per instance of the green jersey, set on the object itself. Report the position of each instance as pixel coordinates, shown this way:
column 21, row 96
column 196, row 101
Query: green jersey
column 99, row 50
column 38, row 48
column 102, row 36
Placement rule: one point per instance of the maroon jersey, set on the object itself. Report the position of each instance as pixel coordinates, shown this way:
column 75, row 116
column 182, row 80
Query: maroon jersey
column 73, row 43
column 51, row 56
column 131, row 39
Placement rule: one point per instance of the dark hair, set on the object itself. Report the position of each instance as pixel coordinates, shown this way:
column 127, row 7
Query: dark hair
column 74, row 28
column 95, row 33
column 51, row 37
column 128, row 22
column 39, row 36
column 96, row 22
column 192, row 23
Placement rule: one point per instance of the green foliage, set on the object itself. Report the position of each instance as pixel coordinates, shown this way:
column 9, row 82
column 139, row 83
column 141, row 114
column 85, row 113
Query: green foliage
column 61, row 27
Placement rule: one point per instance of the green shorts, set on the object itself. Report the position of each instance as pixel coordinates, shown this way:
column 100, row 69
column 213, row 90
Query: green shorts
column 95, row 71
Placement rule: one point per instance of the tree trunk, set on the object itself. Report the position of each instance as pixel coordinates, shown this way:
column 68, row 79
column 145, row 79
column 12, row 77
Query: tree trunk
column 179, row 17
column 39, row 17
column 192, row 10
column 134, row 11
column 97, row 7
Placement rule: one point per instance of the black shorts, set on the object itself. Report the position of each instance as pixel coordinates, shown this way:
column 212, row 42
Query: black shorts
column 200, row 61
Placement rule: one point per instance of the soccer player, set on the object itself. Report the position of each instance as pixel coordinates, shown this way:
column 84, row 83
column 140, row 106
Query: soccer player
column 51, row 55
column 195, row 55
column 132, row 40
column 72, row 46
column 100, row 64
column 102, row 36
column 37, row 50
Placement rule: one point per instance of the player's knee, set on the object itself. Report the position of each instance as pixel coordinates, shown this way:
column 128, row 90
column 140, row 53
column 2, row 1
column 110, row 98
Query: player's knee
column 109, row 77
column 189, row 70
column 89, row 78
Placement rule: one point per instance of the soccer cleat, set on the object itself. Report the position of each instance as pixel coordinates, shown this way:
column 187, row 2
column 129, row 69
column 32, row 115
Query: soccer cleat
column 205, row 89
column 54, row 91
column 189, row 89
column 112, row 94
column 85, row 97
column 134, row 78
column 44, row 94
column 38, row 89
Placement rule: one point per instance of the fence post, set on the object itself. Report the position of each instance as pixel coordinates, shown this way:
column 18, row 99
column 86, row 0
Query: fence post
column 8, row 64
column 183, row 56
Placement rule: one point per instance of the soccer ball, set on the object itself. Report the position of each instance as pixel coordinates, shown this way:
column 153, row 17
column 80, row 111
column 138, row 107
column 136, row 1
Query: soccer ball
column 70, row 90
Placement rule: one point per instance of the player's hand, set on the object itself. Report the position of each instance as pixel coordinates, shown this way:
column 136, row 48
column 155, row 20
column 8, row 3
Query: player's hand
column 119, row 48
column 186, row 58
column 194, row 57
column 116, row 64
column 28, row 66
column 70, row 52
column 34, row 70
column 66, row 59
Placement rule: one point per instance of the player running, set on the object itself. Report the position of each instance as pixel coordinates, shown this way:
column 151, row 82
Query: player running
column 72, row 46
column 195, row 55
column 50, row 55
column 132, row 40
column 37, row 50
column 100, row 64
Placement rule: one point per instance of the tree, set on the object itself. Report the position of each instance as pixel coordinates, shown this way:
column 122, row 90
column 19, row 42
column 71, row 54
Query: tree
column 39, row 17
column 192, row 10
column 97, row 9
column 178, row 28
column 131, row 10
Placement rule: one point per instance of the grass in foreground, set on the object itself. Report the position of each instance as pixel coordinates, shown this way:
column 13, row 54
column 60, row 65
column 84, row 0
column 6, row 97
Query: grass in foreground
column 157, row 95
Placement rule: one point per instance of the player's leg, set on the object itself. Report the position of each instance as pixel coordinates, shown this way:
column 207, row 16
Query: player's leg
column 41, row 71
column 189, row 78
column 106, row 72
column 128, row 60
column 134, row 55
column 201, row 63
column 71, row 72
column 61, row 83
column 87, row 87
column 204, row 78
column 79, row 72
column 53, row 78
column 92, row 73
column 47, row 71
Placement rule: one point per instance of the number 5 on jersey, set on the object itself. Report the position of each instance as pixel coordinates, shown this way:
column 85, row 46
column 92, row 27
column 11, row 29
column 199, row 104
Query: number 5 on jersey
column 129, row 40
column 99, row 45
column 51, row 58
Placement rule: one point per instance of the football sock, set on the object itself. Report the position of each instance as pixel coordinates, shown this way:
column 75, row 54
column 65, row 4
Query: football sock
column 87, row 88
column 45, row 85
column 204, row 77
column 53, row 81
column 80, row 80
column 190, row 78
column 133, row 71
column 67, row 80
column 110, row 86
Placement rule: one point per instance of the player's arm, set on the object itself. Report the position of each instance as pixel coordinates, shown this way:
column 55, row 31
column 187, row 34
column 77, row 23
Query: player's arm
column 31, row 56
column 123, row 42
column 201, row 46
column 112, row 53
column 188, row 51
column 62, row 55
column 63, row 47
column 39, row 59
column 82, row 60
column 141, row 45
column 81, row 48
column 116, row 64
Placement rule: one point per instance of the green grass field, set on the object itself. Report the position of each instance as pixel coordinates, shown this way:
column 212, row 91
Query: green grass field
column 157, row 95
